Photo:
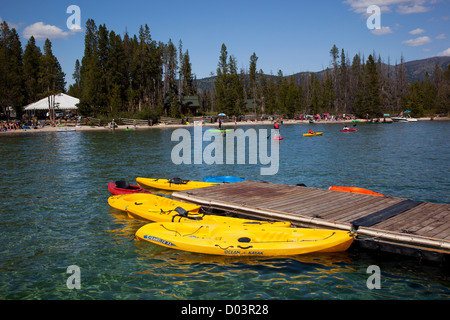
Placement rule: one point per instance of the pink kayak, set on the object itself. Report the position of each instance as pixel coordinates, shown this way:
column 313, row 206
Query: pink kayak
column 123, row 187
column 349, row 130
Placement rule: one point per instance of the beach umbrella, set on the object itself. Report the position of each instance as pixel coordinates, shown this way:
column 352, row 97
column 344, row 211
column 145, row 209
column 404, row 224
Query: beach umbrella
column 222, row 115
column 407, row 111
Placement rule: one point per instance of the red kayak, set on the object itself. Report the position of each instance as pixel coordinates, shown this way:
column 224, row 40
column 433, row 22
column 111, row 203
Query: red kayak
column 278, row 138
column 123, row 187
column 348, row 130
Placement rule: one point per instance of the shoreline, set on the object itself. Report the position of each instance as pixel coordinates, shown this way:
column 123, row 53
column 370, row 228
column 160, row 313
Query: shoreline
column 169, row 126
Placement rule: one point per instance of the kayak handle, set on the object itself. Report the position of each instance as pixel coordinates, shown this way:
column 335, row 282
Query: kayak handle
column 245, row 248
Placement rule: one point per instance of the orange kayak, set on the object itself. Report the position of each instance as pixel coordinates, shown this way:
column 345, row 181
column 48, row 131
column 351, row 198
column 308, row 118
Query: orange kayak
column 354, row 190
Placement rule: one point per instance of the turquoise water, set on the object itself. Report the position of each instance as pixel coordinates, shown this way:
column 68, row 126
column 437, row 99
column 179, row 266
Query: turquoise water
column 54, row 214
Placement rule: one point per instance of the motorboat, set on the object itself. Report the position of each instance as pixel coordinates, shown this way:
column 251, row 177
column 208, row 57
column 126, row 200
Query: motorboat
column 407, row 118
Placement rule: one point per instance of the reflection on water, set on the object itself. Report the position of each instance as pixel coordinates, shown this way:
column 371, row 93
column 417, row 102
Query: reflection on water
column 250, row 278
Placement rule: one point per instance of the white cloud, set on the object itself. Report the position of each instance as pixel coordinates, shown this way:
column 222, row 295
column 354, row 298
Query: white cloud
column 382, row 31
column 444, row 53
column 417, row 41
column 441, row 36
column 42, row 31
column 417, row 31
column 402, row 6
column 412, row 9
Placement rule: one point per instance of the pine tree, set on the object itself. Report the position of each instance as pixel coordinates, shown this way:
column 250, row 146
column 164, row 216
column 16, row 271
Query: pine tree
column 90, row 71
column 334, row 53
column 429, row 93
column 271, row 96
column 170, row 87
column 293, row 98
column 415, row 99
column 252, row 77
column 116, row 73
column 344, row 83
column 442, row 102
column 328, row 93
column 262, row 91
column 75, row 89
column 401, row 87
column 186, row 73
column 222, row 81
column 12, row 92
column 51, row 76
column 373, row 94
column 359, row 87
column 235, row 92
column 316, row 95
column 31, row 65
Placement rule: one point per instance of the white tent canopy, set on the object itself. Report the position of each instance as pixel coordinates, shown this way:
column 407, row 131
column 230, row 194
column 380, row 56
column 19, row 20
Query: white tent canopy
column 62, row 102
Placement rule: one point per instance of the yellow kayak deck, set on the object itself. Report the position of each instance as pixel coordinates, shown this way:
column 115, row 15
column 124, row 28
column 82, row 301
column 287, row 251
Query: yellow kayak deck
column 153, row 208
column 244, row 241
column 150, row 201
column 166, row 184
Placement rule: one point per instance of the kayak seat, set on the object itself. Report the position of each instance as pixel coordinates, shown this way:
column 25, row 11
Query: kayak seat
column 178, row 181
column 182, row 213
column 122, row 184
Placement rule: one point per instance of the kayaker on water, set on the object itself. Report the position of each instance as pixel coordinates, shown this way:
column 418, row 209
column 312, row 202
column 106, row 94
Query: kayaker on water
column 311, row 131
column 277, row 129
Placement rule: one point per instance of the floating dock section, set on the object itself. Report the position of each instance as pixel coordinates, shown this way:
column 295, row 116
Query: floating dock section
column 390, row 224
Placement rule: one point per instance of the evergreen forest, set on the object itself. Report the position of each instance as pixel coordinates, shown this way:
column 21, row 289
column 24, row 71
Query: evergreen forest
column 139, row 77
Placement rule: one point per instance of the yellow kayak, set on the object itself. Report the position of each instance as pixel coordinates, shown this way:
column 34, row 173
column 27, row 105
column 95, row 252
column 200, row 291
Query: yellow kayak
column 150, row 207
column 121, row 202
column 150, row 212
column 313, row 134
column 244, row 241
column 173, row 184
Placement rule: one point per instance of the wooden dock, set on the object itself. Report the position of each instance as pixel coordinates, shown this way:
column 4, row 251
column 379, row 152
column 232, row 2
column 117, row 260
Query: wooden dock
column 384, row 223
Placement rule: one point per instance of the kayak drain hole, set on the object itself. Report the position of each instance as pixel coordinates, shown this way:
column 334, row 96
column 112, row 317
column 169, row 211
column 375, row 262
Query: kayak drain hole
column 244, row 240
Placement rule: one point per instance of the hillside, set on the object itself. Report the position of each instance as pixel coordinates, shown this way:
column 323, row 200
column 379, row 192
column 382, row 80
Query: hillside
column 415, row 70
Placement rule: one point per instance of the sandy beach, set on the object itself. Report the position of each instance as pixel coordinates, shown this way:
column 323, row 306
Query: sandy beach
column 72, row 127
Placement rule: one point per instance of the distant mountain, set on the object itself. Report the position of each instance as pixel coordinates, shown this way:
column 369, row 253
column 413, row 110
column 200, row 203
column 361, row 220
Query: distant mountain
column 415, row 70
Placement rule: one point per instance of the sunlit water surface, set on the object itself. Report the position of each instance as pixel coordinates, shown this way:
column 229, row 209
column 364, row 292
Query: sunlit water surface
column 54, row 214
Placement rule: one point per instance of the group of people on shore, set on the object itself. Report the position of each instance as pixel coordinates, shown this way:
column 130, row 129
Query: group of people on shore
column 16, row 125
column 327, row 117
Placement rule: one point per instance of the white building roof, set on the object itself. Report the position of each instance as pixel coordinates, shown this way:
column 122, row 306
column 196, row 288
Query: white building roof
column 62, row 102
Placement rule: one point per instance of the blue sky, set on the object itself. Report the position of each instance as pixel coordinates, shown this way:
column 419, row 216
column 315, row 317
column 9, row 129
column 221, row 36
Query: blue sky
column 291, row 36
